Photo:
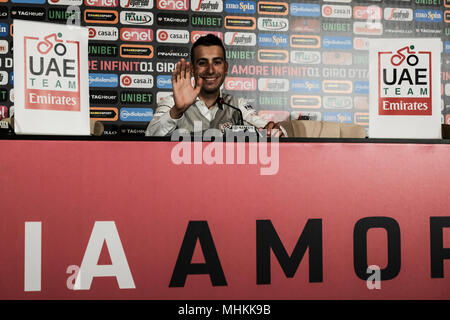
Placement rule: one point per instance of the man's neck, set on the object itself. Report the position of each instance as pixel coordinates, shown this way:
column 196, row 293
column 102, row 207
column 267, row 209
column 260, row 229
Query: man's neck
column 209, row 98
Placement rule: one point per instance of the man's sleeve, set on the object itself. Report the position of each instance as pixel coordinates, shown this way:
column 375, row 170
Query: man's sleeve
column 249, row 114
column 162, row 124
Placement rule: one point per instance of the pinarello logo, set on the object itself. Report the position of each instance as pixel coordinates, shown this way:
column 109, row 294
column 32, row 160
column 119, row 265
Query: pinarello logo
column 136, row 34
column 197, row 34
column 126, row 81
column 172, row 4
column 92, row 32
column 240, row 84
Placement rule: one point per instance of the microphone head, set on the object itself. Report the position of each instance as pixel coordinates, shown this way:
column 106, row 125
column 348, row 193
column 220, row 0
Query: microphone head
column 220, row 100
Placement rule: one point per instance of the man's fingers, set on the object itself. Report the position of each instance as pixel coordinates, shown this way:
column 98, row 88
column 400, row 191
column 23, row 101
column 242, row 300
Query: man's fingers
column 176, row 74
column 188, row 70
column 183, row 69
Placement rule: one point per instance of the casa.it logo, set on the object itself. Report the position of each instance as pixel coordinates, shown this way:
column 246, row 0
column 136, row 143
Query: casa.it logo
column 179, row 5
column 240, row 84
column 103, row 33
column 52, row 72
column 136, row 34
column 404, row 82
column 337, row 11
column 172, row 36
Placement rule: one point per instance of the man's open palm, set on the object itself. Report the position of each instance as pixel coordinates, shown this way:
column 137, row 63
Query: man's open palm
column 183, row 92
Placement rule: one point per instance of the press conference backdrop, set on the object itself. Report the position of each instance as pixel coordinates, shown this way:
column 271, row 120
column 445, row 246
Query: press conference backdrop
column 287, row 58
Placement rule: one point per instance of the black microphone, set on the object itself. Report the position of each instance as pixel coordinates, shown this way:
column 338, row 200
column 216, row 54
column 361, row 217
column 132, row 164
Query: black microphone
column 220, row 101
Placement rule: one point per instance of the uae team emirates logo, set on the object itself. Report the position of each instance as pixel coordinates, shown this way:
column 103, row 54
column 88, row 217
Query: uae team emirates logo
column 52, row 73
column 404, row 82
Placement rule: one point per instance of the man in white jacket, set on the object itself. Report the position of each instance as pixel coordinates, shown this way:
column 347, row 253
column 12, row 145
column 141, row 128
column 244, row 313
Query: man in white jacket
column 204, row 102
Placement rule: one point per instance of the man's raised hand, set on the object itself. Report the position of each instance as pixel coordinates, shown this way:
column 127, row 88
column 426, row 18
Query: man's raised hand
column 183, row 92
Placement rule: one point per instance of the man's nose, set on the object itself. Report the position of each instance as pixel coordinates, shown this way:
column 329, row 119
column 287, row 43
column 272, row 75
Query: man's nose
column 210, row 68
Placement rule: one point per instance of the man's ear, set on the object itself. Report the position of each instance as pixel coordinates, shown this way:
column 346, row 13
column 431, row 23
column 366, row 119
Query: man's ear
column 226, row 67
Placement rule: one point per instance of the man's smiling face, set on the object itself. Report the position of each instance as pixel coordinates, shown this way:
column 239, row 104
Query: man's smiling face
column 210, row 65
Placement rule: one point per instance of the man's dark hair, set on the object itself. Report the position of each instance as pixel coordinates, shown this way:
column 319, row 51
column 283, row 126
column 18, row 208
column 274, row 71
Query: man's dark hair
column 208, row 40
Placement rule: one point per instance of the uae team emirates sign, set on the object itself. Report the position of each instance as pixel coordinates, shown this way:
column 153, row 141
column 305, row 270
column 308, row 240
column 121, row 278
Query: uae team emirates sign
column 405, row 97
column 51, row 79
column 404, row 86
column 52, row 73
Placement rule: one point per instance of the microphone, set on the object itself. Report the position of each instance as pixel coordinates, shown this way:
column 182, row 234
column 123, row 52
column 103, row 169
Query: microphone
column 240, row 127
column 220, row 101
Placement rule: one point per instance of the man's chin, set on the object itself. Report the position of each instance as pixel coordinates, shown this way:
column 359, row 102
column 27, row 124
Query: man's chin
column 210, row 90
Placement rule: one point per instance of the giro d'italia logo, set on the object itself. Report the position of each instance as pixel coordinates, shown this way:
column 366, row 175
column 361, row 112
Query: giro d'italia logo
column 404, row 82
column 52, row 73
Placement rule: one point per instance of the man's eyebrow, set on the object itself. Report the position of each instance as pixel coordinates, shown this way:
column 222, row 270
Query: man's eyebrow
column 215, row 58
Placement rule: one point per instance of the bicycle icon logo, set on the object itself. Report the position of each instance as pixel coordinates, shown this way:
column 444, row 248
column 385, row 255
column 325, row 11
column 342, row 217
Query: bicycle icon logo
column 412, row 59
column 47, row 45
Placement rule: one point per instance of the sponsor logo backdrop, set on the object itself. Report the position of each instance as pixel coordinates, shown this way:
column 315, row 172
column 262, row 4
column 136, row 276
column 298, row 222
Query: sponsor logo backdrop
column 288, row 58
